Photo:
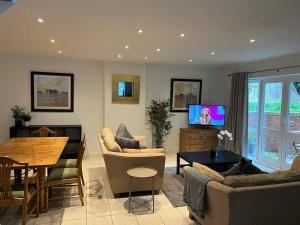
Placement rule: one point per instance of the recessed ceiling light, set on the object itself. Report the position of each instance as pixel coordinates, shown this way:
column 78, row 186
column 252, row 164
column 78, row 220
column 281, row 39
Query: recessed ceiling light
column 146, row 57
column 140, row 31
column 158, row 49
column 40, row 20
column 126, row 46
column 182, row 35
column 52, row 41
column 252, row 41
column 119, row 56
column 190, row 60
column 212, row 53
column 59, row 51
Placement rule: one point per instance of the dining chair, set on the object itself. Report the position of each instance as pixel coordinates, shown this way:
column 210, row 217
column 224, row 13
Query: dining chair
column 74, row 163
column 20, row 194
column 66, row 176
column 44, row 132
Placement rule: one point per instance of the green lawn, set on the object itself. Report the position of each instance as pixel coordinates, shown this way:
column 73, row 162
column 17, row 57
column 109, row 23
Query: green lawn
column 273, row 107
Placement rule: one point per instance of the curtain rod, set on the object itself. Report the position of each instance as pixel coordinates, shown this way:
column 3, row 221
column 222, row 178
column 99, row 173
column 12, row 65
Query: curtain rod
column 277, row 69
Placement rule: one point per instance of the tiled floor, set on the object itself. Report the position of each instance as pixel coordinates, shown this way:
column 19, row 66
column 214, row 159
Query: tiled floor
column 101, row 208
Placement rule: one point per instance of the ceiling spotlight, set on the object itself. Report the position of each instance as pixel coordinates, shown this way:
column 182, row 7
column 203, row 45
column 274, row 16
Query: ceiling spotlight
column 40, row 20
column 182, row 35
column 190, row 60
column 146, row 57
column 52, row 41
column 158, row 49
column 59, row 51
column 252, row 41
column 119, row 56
column 126, row 46
column 140, row 31
column 212, row 53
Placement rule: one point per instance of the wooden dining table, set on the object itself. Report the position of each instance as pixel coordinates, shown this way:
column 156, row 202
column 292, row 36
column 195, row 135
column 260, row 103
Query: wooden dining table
column 38, row 152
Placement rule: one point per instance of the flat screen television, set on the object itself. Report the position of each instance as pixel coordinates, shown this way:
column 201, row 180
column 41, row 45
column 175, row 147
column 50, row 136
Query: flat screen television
column 207, row 115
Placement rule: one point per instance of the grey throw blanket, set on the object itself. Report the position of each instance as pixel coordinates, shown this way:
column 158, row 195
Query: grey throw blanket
column 194, row 193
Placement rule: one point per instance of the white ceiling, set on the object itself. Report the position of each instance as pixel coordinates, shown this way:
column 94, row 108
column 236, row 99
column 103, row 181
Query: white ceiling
column 99, row 29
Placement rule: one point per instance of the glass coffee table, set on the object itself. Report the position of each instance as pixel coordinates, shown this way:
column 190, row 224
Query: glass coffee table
column 223, row 160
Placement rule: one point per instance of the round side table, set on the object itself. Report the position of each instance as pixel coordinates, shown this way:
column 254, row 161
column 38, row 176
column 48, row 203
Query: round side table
column 141, row 173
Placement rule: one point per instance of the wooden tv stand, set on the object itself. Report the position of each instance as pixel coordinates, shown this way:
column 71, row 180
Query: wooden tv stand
column 198, row 139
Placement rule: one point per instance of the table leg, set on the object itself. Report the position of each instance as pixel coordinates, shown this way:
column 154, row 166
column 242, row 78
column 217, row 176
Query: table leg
column 129, row 205
column 41, row 171
column 153, row 193
column 178, row 164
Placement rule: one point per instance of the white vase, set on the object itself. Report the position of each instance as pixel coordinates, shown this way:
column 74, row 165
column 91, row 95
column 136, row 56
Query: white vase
column 26, row 123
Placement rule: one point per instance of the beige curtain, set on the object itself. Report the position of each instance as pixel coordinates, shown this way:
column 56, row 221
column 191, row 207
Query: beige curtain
column 238, row 112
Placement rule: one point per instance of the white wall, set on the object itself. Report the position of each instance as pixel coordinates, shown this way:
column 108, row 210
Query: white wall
column 88, row 93
column 132, row 115
column 92, row 96
column 158, row 86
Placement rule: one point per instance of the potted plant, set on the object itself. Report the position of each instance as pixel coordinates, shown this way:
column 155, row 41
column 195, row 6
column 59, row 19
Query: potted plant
column 17, row 114
column 26, row 118
column 224, row 137
column 158, row 116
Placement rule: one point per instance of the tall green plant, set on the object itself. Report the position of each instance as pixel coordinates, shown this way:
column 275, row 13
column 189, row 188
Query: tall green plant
column 159, row 117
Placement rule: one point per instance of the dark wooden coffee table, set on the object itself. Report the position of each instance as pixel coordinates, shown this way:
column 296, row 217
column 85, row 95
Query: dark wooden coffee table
column 223, row 160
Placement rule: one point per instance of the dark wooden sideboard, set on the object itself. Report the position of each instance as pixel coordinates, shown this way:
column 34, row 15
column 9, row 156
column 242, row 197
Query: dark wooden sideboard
column 72, row 131
column 198, row 139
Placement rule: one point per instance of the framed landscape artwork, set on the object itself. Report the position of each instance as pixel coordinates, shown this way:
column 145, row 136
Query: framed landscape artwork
column 183, row 93
column 52, row 92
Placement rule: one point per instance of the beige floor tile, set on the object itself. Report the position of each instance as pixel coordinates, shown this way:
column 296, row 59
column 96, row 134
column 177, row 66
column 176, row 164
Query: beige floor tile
column 118, row 206
column 97, row 207
column 180, row 221
column 99, row 220
column 74, row 213
column 161, row 202
column 52, row 216
column 169, row 214
column 124, row 219
column 149, row 219
column 183, row 211
column 74, row 222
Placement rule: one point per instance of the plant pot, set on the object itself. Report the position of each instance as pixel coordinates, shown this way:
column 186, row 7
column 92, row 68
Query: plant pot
column 26, row 123
column 18, row 123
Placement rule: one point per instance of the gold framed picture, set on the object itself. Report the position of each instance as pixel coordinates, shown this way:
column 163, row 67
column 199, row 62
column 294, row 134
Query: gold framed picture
column 125, row 89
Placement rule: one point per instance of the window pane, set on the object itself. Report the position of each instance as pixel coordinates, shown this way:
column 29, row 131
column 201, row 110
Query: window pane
column 270, row 146
column 291, row 151
column 253, row 110
column 272, row 105
column 294, row 107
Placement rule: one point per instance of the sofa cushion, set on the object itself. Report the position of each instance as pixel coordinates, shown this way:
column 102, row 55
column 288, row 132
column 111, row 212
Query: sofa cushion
column 123, row 132
column 111, row 144
column 127, row 143
column 106, row 132
column 262, row 179
column 148, row 150
column 142, row 140
column 209, row 172
column 244, row 166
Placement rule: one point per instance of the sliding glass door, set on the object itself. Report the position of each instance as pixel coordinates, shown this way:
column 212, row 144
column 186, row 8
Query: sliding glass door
column 273, row 120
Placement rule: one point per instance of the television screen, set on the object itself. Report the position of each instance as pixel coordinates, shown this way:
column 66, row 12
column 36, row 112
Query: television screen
column 208, row 115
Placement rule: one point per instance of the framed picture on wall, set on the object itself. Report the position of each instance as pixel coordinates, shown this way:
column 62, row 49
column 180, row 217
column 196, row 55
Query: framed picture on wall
column 185, row 92
column 52, row 92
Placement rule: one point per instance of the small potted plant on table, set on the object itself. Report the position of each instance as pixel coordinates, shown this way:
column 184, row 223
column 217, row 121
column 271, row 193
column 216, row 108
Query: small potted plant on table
column 26, row 118
column 17, row 114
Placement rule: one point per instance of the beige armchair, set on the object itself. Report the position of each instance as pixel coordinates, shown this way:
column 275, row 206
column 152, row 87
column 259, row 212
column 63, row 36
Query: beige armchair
column 117, row 164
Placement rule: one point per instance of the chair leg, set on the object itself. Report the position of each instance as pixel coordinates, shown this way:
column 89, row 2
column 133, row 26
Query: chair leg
column 46, row 198
column 81, row 176
column 38, row 204
column 24, row 213
column 80, row 191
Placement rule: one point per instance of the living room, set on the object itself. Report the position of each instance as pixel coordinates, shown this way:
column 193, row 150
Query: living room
column 162, row 44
